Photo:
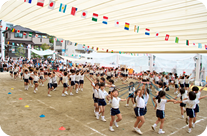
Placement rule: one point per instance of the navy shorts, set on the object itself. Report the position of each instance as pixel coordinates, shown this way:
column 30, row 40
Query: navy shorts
column 54, row 85
column 196, row 108
column 30, row 78
column 115, row 111
column 116, row 75
column 11, row 72
column 65, row 85
column 131, row 95
column 156, row 82
column 81, row 82
column 164, row 84
column 77, row 82
column 190, row 113
column 72, row 83
column 126, row 75
column 61, row 78
column 15, row 73
column 160, row 114
column 176, row 85
column 41, row 77
column 108, row 77
column 101, row 102
column 182, row 104
column 26, row 80
column 96, row 100
column 45, row 73
column 88, row 70
column 167, row 89
column 139, row 111
column 35, row 82
column 49, row 85
column 91, row 73
column 21, row 74
column 145, row 110
column 182, row 85
column 102, row 74
column 186, row 85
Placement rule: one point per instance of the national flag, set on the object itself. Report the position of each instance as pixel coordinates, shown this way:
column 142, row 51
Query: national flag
column 95, row 17
column 157, row 34
column 51, row 4
column 167, row 37
column 30, row 34
column 116, row 23
column 88, row 46
column 92, row 48
column 62, row 8
column 105, row 20
column 187, row 42
column 112, row 51
column 119, row 52
column 199, row 45
column 76, row 44
column 73, row 11
column 13, row 30
column 147, row 31
column 136, row 28
column 84, row 14
column 194, row 44
column 40, row 3
column 176, row 40
column 18, row 31
column 1, row 26
column 84, row 45
column 107, row 50
column 206, row 47
column 36, row 35
column 24, row 33
column 7, row 42
column 126, row 26
column 28, row 1
column 61, row 41
column 7, row 28
column 97, row 48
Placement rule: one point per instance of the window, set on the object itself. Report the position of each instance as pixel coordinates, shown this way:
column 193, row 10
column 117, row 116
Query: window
column 26, row 35
column 58, row 43
column 6, row 35
column 39, row 36
column 18, row 35
column 9, row 25
column 40, row 39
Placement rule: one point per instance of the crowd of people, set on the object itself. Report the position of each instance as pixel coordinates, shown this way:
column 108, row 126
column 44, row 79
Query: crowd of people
column 60, row 72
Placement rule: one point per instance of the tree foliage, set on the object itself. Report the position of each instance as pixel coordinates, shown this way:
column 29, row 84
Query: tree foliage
column 20, row 52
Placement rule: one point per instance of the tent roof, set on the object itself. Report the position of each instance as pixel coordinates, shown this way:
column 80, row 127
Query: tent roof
column 186, row 19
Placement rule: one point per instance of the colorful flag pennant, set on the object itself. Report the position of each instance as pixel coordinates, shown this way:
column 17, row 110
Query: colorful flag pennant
column 24, row 33
column 61, row 41
column 105, row 20
column 116, row 23
column 97, row 48
column 147, row 31
column 88, row 46
column 51, row 4
column 40, row 3
column 76, row 44
column 107, row 50
column 92, row 48
column 176, row 40
column 167, row 37
column 30, row 34
column 136, row 28
column 7, row 42
column 1, row 26
column 28, row 1
column 199, row 45
column 18, row 31
column 126, row 26
column 187, row 42
column 157, row 34
column 206, row 47
column 95, row 17
column 13, row 30
column 84, row 14
column 73, row 11
column 62, row 8
column 194, row 44
column 36, row 35
column 112, row 51
column 7, row 28
column 119, row 52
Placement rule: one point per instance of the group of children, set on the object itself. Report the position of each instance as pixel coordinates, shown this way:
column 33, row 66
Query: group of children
column 100, row 78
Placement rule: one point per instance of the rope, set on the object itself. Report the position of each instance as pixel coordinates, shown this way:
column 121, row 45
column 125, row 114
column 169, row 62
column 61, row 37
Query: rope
column 134, row 90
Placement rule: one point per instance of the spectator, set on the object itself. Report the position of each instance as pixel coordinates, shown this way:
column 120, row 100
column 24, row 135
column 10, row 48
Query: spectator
column 5, row 66
column 1, row 67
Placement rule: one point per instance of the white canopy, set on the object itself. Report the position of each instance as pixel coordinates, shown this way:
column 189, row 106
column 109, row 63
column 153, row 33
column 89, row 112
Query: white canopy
column 42, row 53
column 186, row 19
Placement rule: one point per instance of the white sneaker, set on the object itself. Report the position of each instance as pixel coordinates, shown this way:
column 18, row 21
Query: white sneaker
column 111, row 129
column 97, row 116
column 138, row 131
column 66, row 92
column 115, row 124
column 42, row 84
column 54, row 89
column 34, row 91
column 82, row 89
column 153, row 127
column 49, row 95
column 161, row 132
column 103, row 119
column 127, row 105
column 193, row 125
column 134, row 105
column 76, row 91
column 63, row 94
column 189, row 130
column 32, row 86
column 182, row 116
column 71, row 93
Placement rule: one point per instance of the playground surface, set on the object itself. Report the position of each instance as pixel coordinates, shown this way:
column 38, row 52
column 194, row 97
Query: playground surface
column 75, row 113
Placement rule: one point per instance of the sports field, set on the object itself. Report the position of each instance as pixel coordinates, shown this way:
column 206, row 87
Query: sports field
column 75, row 113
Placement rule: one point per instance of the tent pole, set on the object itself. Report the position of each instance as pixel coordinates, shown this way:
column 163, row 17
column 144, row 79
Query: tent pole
column 151, row 63
column 29, row 51
column 197, row 80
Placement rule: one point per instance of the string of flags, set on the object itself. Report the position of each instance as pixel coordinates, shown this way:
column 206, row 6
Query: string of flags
column 84, row 14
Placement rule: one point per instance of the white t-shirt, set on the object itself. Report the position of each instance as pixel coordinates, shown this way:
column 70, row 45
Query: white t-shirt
column 36, row 78
column 82, row 77
column 26, row 76
column 72, row 77
column 156, row 79
column 181, row 81
column 185, row 95
column 54, row 80
column 95, row 92
column 187, row 81
column 191, row 104
column 65, row 79
column 131, row 90
column 115, row 102
column 146, row 98
column 77, row 77
column 50, row 80
column 102, row 94
column 198, row 95
column 112, row 88
column 176, row 81
column 161, row 105
column 140, row 102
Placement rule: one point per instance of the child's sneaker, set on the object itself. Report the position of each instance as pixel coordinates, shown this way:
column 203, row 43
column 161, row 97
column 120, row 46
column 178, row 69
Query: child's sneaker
column 103, row 119
column 49, row 95
column 97, row 116
column 66, row 92
column 193, row 125
column 189, row 130
column 71, row 93
column 161, row 132
column 153, row 127
column 115, row 123
column 127, row 105
column 111, row 129
column 34, row 91
column 134, row 105
column 63, row 95
column 138, row 131
column 76, row 91
column 42, row 84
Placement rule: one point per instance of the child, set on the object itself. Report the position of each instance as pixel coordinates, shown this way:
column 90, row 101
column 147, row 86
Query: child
column 50, row 86
column 72, row 81
column 176, row 85
column 31, row 77
column 61, row 77
column 102, row 94
column 139, row 111
column 111, row 87
column 182, row 95
column 81, row 80
column 54, row 81
column 41, row 77
column 115, row 109
column 26, row 79
column 15, row 72
column 131, row 94
column 65, row 84
column 36, row 79
column 11, row 71
column 77, row 81
column 160, row 113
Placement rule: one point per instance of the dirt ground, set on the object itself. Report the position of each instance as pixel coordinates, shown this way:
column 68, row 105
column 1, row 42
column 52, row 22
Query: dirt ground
column 75, row 113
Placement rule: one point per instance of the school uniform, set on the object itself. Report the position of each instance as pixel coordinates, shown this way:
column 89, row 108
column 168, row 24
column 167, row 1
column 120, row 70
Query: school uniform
column 190, row 106
column 156, row 79
column 181, row 83
column 116, row 73
column 108, row 75
column 82, row 79
column 26, row 77
column 54, row 82
column 160, row 113
column 95, row 94
column 176, row 83
column 49, row 85
column 115, row 106
column 146, row 98
column 140, row 109
column 77, row 79
column 65, row 81
column 185, row 95
column 36, row 78
column 131, row 92
column 102, row 73
column 197, row 102
column 31, row 74
column 72, row 79
column 102, row 95
column 15, row 71
column 111, row 88
column 91, row 72
column 187, row 81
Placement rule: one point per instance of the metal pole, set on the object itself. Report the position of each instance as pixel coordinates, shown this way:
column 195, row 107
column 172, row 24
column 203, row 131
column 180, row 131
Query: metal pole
column 197, row 81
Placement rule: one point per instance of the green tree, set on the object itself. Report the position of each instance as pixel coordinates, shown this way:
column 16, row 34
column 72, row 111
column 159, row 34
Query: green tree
column 20, row 52
column 45, row 46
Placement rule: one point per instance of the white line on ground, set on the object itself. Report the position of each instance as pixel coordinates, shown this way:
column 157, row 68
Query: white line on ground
column 186, row 126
